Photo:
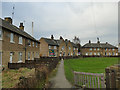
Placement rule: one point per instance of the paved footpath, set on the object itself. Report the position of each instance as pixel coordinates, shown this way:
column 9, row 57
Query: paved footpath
column 59, row 81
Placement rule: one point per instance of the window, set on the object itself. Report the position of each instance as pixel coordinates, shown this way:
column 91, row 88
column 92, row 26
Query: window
column 87, row 54
column 94, row 48
column 74, row 48
column 69, row 48
column 62, row 47
column 54, row 47
column 33, row 44
column 11, row 57
column 36, row 44
column 20, row 40
column 113, row 49
column 0, row 34
column 105, row 49
column 105, row 54
column 113, row 53
column 90, row 49
column 37, row 55
column 12, row 37
column 33, row 56
column 28, row 55
column 91, row 53
column 98, row 54
column 20, row 57
column 98, row 49
column 94, row 53
column 0, row 58
column 109, row 53
column 29, row 42
column 49, row 47
column 116, row 54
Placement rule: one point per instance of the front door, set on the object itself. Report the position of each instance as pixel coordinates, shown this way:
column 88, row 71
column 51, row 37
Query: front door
column 11, row 57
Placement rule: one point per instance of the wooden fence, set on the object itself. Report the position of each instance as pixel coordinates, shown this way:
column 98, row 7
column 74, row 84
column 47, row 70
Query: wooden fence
column 89, row 80
column 112, row 77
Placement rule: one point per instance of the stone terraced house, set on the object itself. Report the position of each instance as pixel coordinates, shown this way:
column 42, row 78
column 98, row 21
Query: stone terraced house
column 99, row 49
column 51, row 47
column 16, row 45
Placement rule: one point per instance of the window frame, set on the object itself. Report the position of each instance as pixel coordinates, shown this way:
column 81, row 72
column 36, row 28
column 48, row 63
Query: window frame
column 20, row 40
column 20, row 57
column 33, row 44
column 49, row 47
column 1, row 38
column 55, row 47
column 12, row 37
column 28, row 55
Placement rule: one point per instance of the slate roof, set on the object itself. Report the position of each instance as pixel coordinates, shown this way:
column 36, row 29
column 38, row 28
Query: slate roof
column 13, row 28
column 51, row 42
column 98, row 45
column 57, row 42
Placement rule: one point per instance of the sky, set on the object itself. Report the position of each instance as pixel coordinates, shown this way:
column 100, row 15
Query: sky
column 86, row 20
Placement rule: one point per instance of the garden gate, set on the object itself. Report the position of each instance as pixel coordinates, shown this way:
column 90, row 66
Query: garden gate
column 90, row 80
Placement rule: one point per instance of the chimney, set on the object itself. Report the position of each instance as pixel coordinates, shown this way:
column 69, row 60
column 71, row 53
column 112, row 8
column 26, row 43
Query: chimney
column 106, row 42
column 8, row 19
column 21, row 26
column 89, row 41
column 98, row 42
column 52, row 37
column 61, row 37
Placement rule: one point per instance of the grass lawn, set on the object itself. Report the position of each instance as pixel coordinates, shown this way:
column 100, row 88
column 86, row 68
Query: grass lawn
column 91, row 65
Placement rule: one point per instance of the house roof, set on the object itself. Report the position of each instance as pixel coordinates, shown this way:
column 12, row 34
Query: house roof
column 98, row 45
column 51, row 42
column 54, row 42
column 13, row 28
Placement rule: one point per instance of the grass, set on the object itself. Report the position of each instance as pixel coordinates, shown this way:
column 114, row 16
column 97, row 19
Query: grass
column 91, row 65
column 11, row 77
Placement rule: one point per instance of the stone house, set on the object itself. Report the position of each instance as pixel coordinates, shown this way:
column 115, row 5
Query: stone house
column 16, row 45
column 52, row 47
column 99, row 49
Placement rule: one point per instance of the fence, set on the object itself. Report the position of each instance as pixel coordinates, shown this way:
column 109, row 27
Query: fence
column 113, row 77
column 49, row 62
column 90, row 80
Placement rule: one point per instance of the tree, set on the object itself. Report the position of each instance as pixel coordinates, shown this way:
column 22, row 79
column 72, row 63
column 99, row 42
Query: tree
column 76, row 40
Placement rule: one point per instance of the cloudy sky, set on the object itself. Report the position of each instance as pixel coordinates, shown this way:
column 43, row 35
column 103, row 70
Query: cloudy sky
column 87, row 20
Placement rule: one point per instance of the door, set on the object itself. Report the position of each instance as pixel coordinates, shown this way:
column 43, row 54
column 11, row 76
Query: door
column 11, row 57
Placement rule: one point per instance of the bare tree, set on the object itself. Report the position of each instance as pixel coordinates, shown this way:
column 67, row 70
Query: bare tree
column 76, row 40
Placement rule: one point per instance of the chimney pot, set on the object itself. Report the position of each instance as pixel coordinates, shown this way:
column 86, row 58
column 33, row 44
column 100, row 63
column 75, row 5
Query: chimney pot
column 52, row 37
column 21, row 26
column 89, row 41
column 8, row 19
